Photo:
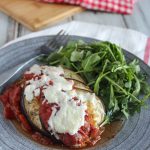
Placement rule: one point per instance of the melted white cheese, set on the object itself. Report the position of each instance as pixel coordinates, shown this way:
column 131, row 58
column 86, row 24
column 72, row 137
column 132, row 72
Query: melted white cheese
column 68, row 119
column 35, row 69
column 53, row 96
column 29, row 92
column 55, row 70
column 37, row 92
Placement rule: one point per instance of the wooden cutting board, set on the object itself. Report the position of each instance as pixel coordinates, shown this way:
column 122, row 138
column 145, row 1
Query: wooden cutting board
column 36, row 15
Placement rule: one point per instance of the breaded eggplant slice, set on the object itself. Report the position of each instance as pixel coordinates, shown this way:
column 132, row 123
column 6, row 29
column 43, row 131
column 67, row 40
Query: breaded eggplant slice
column 80, row 85
column 78, row 81
column 68, row 74
column 31, row 112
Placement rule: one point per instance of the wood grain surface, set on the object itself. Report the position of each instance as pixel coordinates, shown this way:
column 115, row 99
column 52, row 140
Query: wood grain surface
column 139, row 20
column 36, row 15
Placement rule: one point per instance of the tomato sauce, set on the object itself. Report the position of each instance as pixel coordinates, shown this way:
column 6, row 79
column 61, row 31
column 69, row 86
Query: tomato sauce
column 12, row 111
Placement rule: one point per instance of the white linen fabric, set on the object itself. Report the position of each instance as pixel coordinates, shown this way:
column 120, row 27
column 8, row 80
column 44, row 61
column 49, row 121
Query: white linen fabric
column 133, row 41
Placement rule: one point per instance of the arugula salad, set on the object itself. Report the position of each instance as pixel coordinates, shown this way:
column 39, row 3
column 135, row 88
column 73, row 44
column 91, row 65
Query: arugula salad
column 119, row 83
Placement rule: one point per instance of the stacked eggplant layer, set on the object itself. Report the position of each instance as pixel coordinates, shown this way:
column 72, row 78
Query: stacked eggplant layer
column 37, row 116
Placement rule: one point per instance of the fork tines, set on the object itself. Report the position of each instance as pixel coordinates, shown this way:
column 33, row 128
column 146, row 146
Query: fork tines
column 59, row 40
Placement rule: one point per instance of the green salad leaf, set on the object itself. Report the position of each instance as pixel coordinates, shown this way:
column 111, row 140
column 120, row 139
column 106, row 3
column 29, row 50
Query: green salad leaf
column 120, row 84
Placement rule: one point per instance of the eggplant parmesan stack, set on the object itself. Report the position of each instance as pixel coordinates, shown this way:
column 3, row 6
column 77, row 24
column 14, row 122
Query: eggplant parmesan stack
column 58, row 105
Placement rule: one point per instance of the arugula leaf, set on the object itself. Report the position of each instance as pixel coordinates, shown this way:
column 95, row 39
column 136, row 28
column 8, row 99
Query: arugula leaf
column 90, row 62
column 76, row 56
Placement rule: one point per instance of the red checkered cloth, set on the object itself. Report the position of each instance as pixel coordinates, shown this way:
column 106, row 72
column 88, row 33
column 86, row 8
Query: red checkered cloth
column 116, row 6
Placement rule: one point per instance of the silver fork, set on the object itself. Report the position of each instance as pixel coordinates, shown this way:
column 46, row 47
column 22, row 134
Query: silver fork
column 59, row 40
column 54, row 44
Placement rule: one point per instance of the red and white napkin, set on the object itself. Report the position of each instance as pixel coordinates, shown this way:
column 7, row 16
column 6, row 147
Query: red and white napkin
column 116, row 6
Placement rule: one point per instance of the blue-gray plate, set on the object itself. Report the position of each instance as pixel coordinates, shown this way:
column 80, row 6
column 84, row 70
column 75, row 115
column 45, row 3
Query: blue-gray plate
column 134, row 135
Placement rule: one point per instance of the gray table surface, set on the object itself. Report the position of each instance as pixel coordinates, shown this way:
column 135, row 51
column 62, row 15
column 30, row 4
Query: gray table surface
column 139, row 20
